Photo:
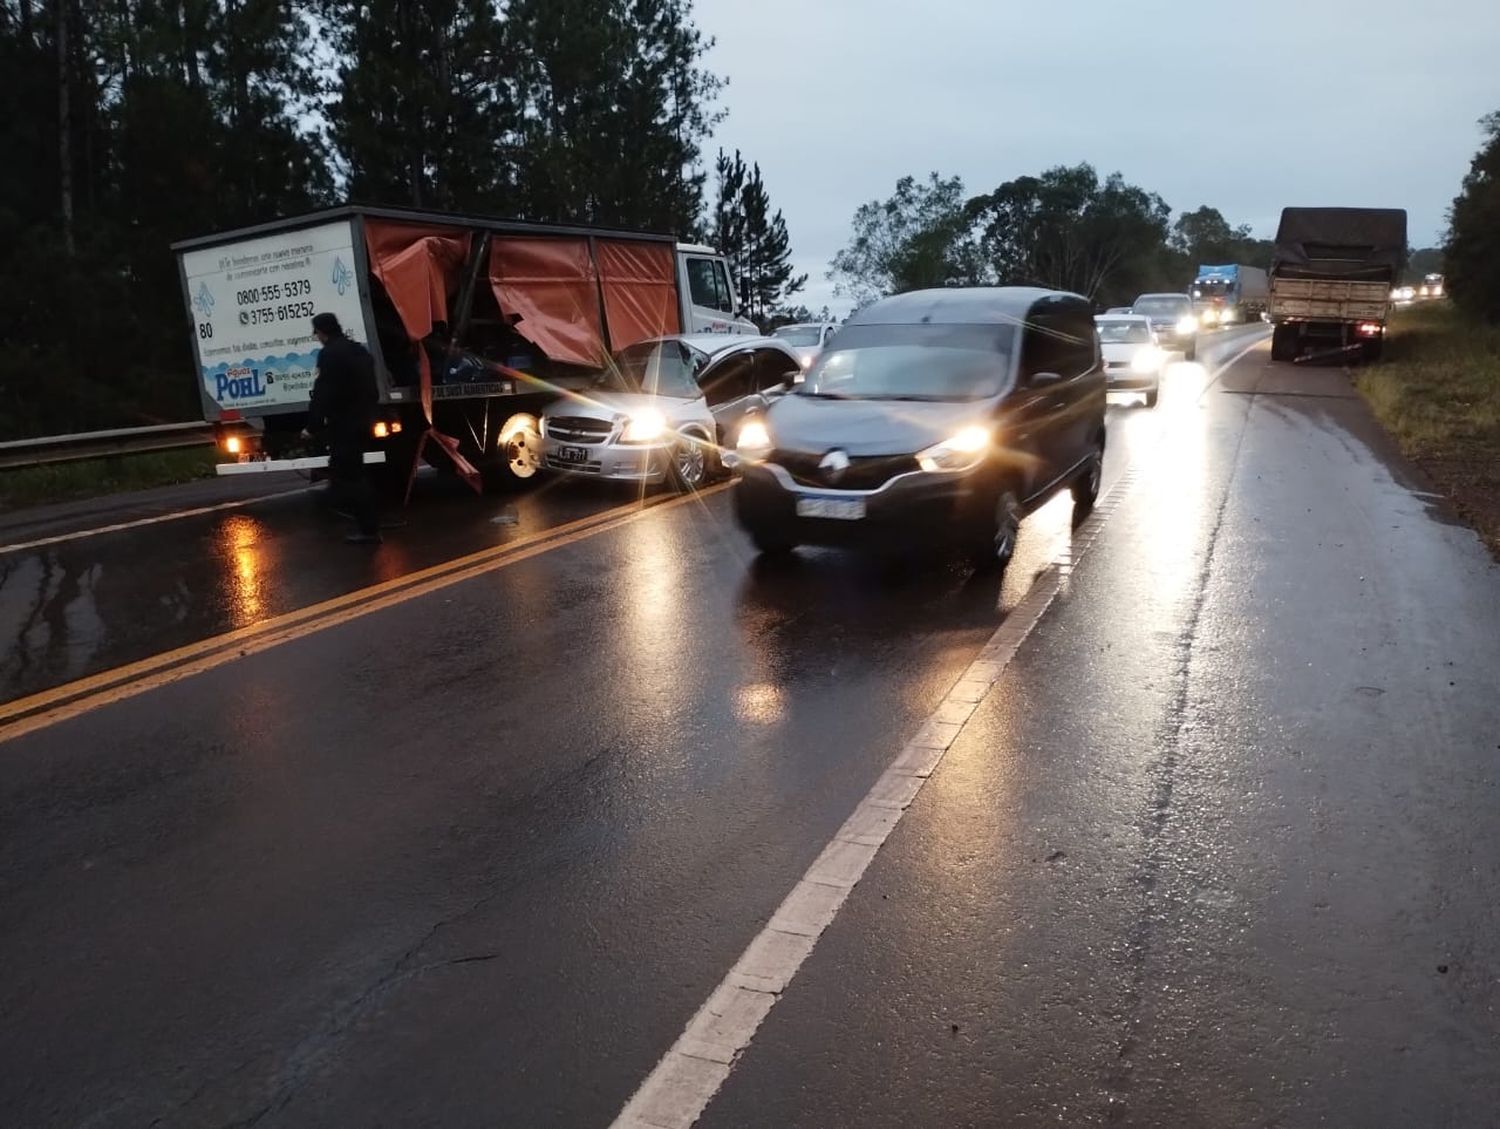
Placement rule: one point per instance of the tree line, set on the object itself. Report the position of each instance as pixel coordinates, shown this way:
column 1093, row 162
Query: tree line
column 1067, row 228
column 1471, row 257
column 134, row 123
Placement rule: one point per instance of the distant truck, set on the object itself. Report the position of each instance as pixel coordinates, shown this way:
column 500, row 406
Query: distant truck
column 1432, row 286
column 475, row 324
column 1229, row 294
column 1332, row 272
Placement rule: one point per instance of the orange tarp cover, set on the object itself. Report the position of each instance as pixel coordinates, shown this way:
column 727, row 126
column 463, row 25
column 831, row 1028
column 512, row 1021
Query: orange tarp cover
column 640, row 290
column 552, row 285
column 417, row 265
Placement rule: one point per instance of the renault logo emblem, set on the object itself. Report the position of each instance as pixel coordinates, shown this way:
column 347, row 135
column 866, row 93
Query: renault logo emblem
column 833, row 466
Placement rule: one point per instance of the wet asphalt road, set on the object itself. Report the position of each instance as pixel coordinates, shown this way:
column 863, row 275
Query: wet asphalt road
column 1220, row 848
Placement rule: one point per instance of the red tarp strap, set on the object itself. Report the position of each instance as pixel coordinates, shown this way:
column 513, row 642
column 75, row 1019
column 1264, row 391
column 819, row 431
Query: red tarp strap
column 640, row 290
column 551, row 284
column 414, row 263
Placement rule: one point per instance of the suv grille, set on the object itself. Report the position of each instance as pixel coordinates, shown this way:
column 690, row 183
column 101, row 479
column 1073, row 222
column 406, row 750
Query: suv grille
column 578, row 429
column 866, row 472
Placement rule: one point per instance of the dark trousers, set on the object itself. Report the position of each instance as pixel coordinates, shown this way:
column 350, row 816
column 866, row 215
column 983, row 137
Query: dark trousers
column 349, row 488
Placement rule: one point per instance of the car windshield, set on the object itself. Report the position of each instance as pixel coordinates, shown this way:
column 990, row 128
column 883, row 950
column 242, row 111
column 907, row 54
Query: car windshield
column 799, row 336
column 913, row 362
column 1123, row 333
column 1158, row 305
column 664, row 368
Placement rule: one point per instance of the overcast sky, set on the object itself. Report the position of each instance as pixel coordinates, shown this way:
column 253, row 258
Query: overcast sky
column 1275, row 103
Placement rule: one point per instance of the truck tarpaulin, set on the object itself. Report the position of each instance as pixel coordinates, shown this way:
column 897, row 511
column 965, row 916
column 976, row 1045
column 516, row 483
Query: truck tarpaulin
column 1340, row 243
column 417, row 264
column 640, row 290
column 553, row 287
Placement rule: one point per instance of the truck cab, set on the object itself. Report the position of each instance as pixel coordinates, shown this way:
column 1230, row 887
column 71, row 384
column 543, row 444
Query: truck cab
column 711, row 301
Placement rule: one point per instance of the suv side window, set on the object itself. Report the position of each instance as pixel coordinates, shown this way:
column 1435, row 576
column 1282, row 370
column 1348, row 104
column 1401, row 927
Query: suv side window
column 1058, row 342
column 727, row 381
column 774, row 368
column 1078, row 344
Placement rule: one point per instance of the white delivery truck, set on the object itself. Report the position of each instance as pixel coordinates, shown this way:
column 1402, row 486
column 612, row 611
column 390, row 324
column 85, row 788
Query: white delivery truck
column 475, row 324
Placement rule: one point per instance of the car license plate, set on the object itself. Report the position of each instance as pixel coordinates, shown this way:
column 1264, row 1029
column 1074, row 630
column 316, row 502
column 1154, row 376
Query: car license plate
column 838, row 509
column 572, row 454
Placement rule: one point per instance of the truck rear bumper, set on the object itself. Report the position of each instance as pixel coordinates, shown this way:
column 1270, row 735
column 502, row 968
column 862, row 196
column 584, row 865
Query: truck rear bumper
column 267, row 466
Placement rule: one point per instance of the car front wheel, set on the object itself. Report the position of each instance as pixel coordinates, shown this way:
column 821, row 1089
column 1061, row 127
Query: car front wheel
column 690, row 463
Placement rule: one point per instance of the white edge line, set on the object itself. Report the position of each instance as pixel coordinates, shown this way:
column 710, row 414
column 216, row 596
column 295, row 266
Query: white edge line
column 675, row 1094
column 81, row 534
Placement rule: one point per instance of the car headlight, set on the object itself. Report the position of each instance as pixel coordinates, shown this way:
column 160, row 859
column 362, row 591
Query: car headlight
column 644, row 426
column 962, row 451
column 1147, row 358
column 1209, row 317
column 754, row 443
column 1187, row 324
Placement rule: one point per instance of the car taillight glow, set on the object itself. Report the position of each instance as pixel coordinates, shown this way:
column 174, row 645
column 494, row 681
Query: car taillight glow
column 233, row 445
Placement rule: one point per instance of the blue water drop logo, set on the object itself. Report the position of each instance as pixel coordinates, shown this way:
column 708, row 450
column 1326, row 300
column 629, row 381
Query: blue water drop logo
column 342, row 276
column 203, row 301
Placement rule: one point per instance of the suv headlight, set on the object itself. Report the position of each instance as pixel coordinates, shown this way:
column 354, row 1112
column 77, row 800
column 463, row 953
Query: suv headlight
column 754, row 442
column 644, row 426
column 1187, row 324
column 962, row 451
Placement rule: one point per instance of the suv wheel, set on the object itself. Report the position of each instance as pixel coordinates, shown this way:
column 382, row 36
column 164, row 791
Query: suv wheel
column 1006, row 529
column 1086, row 485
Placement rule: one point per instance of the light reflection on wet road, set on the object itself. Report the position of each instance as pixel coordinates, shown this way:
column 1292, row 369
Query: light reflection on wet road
column 476, row 858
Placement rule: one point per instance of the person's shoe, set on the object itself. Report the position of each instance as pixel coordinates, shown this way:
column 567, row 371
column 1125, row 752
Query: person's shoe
column 362, row 539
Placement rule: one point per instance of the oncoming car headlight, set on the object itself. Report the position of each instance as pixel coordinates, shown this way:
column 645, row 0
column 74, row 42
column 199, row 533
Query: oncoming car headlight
column 963, row 450
column 644, row 427
column 754, row 443
column 1187, row 324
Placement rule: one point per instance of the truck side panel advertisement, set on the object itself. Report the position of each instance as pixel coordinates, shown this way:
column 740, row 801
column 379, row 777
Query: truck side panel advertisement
column 252, row 305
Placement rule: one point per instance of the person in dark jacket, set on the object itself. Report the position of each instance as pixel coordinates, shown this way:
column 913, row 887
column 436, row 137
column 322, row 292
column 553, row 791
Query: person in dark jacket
column 342, row 412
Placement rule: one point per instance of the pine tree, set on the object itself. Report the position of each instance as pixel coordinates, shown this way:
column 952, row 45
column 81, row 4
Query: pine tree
column 753, row 238
column 423, row 114
column 614, row 102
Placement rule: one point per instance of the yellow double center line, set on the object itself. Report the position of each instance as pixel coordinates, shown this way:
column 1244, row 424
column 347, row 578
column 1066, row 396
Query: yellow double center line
column 26, row 715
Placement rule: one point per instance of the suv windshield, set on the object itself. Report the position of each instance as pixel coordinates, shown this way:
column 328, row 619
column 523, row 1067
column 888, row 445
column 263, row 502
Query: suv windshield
column 1159, row 305
column 798, row 335
column 664, row 368
column 1123, row 333
column 913, row 362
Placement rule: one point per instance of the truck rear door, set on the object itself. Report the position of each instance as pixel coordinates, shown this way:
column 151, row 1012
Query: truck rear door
column 251, row 302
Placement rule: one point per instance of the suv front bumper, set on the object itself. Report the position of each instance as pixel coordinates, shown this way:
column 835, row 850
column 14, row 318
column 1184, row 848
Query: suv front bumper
column 911, row 511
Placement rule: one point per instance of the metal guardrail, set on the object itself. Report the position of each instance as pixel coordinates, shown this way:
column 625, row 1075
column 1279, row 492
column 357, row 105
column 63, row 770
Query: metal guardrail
column 18, row 453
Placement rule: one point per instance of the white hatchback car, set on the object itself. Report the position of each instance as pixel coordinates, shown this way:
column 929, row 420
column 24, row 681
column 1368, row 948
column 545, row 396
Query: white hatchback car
column 665, row 408
column 1133, row 357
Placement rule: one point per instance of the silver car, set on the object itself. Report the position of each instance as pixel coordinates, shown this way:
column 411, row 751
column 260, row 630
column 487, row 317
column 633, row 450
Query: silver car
column 666, row 407
column 806, row 338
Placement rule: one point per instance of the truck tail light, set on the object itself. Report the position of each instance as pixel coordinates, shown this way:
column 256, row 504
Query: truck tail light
column 234, row 445
column 382, row 429
column 1369, row 329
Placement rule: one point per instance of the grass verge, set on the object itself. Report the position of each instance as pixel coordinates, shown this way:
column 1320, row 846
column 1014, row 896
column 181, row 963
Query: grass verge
column 91, row 478
column 1438, row 393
